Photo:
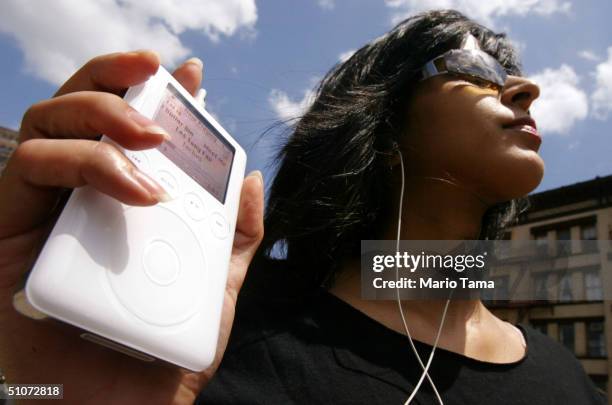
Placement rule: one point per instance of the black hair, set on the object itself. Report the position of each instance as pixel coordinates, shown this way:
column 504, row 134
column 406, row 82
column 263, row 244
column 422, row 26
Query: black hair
column 333, row 179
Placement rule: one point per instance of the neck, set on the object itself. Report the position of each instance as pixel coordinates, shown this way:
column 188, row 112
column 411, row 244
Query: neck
column 436, row 209
column 433, row 210
column 423, row 315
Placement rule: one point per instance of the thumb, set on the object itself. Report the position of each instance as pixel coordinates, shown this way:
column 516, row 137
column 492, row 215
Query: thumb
column 249, row 225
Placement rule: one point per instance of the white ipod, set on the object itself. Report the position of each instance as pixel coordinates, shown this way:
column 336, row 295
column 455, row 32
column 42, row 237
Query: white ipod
column 150, row 281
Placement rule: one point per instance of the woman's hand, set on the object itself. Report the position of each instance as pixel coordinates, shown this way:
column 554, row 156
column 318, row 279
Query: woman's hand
column 58, row 150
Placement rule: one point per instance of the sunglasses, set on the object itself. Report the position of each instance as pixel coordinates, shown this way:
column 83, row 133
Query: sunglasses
column 473, row 65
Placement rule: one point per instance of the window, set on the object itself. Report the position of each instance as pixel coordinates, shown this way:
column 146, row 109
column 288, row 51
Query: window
column 541, row 286
column 563, row 234
column 486, row 294
column 564, row 243
column 500, row 292
column 504, row 250
column 565, row 287
column 593, row 290
column 541, row 326
column 541, row 239
column 566, row 335
column 588, row 235
column 596, row 342
column 501, row 288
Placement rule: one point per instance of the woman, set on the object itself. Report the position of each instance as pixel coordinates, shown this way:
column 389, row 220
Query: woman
column 302, row 334
column 469, row 155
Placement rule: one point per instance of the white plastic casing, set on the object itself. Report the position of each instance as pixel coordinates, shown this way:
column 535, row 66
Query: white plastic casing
column 150, row 278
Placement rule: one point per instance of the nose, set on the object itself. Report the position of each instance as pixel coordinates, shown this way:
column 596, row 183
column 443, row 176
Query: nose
column 519, row 91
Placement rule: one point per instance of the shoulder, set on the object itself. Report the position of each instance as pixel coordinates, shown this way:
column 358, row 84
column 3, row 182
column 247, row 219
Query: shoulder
column 269, row 356
column 543, row 351
column 270, row 307
column 272, row 347
column 547, row 357
column 547, row 351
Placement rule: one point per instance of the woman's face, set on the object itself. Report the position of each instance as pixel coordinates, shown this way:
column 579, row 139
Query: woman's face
column 464, row 132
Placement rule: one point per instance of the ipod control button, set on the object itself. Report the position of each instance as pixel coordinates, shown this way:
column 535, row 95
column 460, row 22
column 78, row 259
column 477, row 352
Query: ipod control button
column 194, row 206
column 219, row 225
column 168, row 182
column 161, row 263
column 157, row 266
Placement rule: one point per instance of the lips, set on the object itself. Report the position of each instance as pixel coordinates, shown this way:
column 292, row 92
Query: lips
column 524, row 124
column 526, row 128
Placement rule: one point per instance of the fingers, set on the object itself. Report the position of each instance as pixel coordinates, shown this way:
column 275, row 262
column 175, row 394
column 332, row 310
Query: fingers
column 86, row 114
column 79, row 111
column 113, row 73
column 87, row 105
column 249, row 230
column 189, row 74
column 39, row 166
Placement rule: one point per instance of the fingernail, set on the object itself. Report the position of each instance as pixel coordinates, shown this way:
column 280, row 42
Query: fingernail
column 157, row 130
column 139, row 52
column 257, row 173
column 151, row 186
column 195, row 61
column 148, row 124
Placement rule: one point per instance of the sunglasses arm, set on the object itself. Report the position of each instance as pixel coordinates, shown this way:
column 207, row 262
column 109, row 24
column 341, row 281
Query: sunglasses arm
column 430, row 70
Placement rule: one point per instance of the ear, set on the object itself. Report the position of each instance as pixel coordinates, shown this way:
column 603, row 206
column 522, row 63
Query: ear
column 394, row 155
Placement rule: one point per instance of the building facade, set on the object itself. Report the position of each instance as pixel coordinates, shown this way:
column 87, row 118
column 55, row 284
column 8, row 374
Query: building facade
column 8, row 143
column 571, row 289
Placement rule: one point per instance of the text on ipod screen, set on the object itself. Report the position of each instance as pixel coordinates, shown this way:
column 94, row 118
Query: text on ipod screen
column 196, row 147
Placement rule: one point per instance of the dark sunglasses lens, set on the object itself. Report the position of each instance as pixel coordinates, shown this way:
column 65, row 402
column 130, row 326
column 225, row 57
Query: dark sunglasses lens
column 477, row 64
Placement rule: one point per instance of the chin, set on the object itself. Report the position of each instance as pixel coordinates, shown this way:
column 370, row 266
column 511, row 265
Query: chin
column 509, row 176
column 520, row 178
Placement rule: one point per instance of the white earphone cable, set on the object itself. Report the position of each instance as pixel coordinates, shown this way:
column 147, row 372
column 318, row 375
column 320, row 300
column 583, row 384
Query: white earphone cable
column 401, row 311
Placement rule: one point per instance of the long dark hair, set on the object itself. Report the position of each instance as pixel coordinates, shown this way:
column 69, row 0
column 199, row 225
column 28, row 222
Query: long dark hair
column 333, row 179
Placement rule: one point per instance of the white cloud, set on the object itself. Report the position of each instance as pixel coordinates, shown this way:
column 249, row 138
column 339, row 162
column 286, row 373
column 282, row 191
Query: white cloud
column 587, row 54
column 562, row 103
column 288, row 109
column 483, row 11
column 344, row 56
column 58, row 36
column 602, row 96
column 326, row 4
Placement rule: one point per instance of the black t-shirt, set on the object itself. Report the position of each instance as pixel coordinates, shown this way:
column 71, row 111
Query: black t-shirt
column 328, row 352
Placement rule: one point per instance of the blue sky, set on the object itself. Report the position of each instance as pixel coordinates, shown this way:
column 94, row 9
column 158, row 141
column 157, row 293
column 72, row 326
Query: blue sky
column 262, row 58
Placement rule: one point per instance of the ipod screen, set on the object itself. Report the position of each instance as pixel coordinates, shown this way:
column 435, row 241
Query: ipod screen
column 195, row 145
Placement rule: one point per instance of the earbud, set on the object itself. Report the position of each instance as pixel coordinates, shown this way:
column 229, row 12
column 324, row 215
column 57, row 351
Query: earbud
column 201, row 97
